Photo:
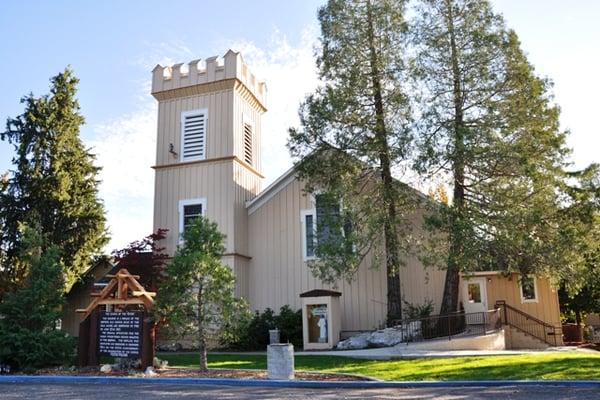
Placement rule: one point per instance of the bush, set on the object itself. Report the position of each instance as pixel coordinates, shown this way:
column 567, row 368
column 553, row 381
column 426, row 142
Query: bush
column 253, row 334
column 28, row 334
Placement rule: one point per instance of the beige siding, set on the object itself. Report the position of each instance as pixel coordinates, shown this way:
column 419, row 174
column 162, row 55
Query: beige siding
column 278, row 273
column 546, row 308
column 219, row 138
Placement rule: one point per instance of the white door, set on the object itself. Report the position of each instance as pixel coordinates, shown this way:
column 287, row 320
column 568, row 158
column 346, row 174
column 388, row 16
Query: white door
column 474, row 295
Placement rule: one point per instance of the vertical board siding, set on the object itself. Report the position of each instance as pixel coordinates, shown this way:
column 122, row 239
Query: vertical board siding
column 278, row 274
column 547, row 307
column 219, row 135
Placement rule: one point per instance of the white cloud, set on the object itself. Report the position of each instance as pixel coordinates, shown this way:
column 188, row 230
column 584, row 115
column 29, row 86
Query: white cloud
column 126, row 145
column 125, row 148
column 290, row 73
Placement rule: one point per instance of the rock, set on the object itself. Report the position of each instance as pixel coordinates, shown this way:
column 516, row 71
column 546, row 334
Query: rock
column 150, row 371
column 159, row 364
column 106, row 369
column 354, row 342
column 387, row 337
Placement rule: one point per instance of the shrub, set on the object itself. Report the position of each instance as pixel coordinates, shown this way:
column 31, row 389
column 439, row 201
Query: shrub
column 253, row 334
column 28, row 334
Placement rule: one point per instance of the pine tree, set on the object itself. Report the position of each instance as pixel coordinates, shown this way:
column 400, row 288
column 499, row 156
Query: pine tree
column 54, row 182
column 196, row 297
column 354, row 136
column 488, row 124
column 29, row 337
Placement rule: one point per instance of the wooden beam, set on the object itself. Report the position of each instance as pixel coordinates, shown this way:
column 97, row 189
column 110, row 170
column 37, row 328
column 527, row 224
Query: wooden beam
column 120, row 301
column 141, row 293
column 122, row 275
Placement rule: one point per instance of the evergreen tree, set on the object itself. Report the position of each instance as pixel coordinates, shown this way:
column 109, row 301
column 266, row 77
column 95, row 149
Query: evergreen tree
column 196, row 297
column 354, row 136
column 488, row 124
column 29, row 337
column 54, row 182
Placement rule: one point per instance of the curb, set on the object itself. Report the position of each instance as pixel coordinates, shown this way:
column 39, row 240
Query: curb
column 293, row 384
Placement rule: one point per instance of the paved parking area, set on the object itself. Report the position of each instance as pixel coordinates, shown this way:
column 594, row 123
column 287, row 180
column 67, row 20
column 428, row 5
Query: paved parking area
column 152, row 391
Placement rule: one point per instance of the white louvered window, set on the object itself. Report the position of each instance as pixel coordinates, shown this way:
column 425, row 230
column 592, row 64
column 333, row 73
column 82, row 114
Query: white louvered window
column 248, row 143
column 193, row 135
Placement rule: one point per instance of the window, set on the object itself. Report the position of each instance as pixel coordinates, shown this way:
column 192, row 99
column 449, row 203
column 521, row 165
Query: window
column 193, row 135
column 321, row 224
column 248, row 143
column 474, row 291
column 189, row 210
column 528, row 289
column 308, row 234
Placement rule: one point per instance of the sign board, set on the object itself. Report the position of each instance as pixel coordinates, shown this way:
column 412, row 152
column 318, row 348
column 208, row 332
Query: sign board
column 120, row 333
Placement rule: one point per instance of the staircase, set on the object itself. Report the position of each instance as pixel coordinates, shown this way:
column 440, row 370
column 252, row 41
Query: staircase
column 525, row 331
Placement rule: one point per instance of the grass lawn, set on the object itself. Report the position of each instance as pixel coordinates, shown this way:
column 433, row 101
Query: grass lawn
column 569, row 365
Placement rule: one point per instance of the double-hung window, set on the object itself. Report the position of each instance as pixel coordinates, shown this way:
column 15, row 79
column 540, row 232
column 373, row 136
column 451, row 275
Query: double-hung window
column 189, row 210
column 321, row 225
column 193, row 135
column 528, row 287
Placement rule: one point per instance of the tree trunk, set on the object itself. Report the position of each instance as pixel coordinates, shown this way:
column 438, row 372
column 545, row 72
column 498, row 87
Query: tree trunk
column 450, row 297
column 392, row 259
column 201, row 333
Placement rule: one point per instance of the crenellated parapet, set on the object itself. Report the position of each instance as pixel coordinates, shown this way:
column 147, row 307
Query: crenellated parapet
column 213, row 69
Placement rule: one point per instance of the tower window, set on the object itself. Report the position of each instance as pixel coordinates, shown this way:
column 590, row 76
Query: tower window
column 248, row 143
column 190, row 210
column 193, row 135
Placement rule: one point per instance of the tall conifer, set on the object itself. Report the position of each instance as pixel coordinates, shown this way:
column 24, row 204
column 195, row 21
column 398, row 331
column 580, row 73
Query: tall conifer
column 53, row 185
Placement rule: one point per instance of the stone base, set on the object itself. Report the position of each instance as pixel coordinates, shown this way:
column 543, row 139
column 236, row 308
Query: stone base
column 280, row 361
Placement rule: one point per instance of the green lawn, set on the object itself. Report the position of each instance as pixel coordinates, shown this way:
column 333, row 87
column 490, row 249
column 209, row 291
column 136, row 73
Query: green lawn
column 569, row 365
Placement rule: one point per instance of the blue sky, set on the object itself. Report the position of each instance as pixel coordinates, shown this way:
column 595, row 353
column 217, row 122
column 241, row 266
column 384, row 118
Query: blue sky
column 113, row 45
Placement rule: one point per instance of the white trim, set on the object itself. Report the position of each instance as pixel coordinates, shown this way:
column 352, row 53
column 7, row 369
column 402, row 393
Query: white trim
column 467, row 275
column 271, row 191
column 204, row 112
column 188, row 202
column 303, row 214
column 535, row 290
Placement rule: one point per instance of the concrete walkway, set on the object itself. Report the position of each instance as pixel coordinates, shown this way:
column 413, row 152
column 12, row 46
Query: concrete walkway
column 388, row 353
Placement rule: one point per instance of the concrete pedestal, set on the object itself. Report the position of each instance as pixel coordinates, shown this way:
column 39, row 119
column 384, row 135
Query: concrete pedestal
column 280, row 361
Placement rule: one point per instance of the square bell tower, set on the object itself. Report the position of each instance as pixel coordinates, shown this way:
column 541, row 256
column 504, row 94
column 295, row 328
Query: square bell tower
column 208, row 153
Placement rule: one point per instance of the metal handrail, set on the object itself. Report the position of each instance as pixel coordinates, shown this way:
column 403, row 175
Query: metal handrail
column 448, row 325
column 514, row 317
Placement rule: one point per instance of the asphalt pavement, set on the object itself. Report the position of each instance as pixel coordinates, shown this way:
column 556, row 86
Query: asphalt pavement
column 152, row 391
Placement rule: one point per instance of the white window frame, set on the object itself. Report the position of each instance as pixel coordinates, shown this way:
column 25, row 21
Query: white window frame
column 535, row 290
column 203, row 111
column 189, row 202
column 303, row 214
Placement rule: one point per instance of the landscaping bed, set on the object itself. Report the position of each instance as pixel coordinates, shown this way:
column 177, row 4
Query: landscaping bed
column 175, row 372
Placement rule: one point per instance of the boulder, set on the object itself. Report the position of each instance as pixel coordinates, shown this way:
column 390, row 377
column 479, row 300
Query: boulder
column 387, row 337
column 149, row 371
column 106, row 369
column 354, row 342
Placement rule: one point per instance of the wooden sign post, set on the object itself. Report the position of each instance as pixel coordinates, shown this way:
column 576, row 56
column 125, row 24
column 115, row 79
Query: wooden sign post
column 122, row 332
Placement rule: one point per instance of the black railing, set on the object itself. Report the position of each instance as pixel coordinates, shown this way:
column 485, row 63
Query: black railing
column 528, row 324
column 448, row 325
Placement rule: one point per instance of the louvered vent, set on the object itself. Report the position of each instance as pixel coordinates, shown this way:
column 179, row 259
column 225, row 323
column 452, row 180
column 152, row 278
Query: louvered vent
column 248, row 143
column 193, row 136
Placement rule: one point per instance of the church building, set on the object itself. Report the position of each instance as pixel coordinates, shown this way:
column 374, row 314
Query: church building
column 208, row 162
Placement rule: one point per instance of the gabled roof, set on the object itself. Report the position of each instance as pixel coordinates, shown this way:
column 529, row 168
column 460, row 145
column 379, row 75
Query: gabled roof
column 271, row 190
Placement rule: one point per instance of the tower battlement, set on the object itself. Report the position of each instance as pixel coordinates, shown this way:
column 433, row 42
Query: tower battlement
column 212, row 69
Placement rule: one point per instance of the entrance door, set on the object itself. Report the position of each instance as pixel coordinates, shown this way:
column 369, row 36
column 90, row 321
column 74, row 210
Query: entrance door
column 474, row 295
